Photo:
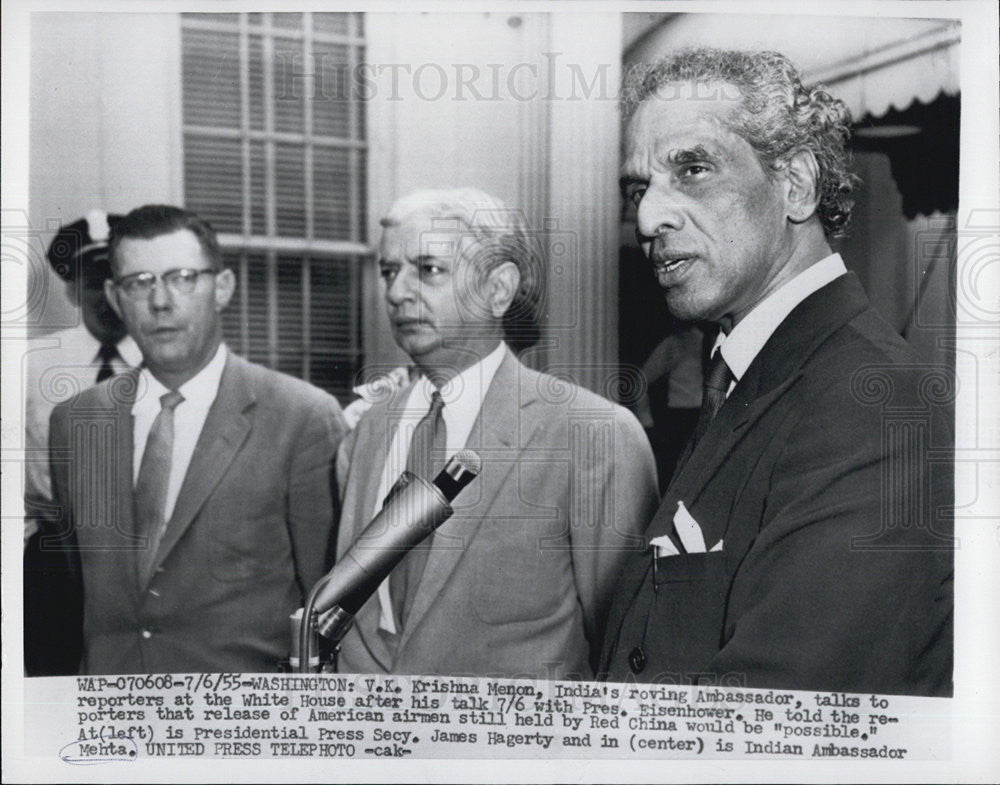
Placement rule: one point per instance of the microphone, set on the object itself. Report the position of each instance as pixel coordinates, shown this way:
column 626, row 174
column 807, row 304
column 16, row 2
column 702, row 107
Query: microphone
column 413, row 509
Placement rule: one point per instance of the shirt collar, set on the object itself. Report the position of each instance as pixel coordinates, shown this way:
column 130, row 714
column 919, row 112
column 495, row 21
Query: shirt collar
column 129, row 351
column 747, row 338
column 465, row 389
column 199, row 390
column 127, row 348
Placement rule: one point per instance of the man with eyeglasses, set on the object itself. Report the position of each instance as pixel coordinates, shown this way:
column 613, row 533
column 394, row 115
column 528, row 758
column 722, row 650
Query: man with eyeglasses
column 196, row 493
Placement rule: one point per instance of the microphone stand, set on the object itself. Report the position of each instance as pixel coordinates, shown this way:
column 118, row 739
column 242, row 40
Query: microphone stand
column 411, row 511
column 333, row 624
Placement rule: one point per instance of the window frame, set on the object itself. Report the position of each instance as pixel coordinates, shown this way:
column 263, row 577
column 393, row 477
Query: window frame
column 269, row 244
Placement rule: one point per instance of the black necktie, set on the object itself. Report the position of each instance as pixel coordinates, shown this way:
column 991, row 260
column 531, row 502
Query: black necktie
column 149, row 500
column 107, row 353
column 425, row 459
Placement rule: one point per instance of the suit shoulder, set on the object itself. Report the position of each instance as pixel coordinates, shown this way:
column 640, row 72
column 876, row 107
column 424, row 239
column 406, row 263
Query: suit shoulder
column 285, row 390
column 99, row 400
column 556, row 394
column 108, row 394
column 860, row 370
column 869, row 332
column 865, row 345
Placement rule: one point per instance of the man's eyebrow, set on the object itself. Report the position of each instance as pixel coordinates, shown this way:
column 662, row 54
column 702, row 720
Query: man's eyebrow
column 418, row 259
column 690, row 155
column 675, row 157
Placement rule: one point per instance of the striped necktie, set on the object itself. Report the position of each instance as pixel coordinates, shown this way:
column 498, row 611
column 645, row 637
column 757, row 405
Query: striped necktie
column 713, row 395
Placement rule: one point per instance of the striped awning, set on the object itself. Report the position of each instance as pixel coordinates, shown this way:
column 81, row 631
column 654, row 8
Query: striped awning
column 893, row 76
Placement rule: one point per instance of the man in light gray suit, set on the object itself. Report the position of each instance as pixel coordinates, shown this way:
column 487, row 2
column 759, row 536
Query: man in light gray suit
column 196, row 494
column 517, row 583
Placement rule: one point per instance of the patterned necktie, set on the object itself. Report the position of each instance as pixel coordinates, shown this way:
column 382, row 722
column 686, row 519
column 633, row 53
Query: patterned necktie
column 149, row 500
column 425, row 459
column 713, row 394
column 107, row 353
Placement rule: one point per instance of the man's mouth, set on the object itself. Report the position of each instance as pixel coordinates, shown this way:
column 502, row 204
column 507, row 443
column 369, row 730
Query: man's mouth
column 668, row 268
column 403, row 323
column 164, row 331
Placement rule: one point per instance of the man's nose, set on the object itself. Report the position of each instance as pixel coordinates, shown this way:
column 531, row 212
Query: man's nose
column 160, row 296
column 401, row 287
column 659, row 210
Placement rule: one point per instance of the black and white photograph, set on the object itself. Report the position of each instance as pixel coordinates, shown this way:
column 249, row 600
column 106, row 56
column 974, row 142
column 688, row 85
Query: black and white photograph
column 544, row 392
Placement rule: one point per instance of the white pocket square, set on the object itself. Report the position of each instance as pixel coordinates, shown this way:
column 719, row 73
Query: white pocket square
column 688, row 530
column 663, row 546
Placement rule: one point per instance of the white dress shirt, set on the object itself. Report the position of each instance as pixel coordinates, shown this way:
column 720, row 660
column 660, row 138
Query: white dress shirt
column 189, row 419
column 463, row 398
column 747, row 338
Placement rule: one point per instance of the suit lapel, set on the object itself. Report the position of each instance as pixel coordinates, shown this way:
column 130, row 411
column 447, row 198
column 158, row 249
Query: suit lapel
column 493, row 434
column 122, row 391
column 226, row 428
column 375, row 436
column 773, row 371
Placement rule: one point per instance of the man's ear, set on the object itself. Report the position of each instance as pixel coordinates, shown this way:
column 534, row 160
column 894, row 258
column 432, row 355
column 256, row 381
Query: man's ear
column 501, row 288
column 111, row 295
column 225, row 286
column 802, row 190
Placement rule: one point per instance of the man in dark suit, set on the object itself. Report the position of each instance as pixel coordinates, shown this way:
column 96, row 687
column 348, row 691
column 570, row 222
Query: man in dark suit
column 196, row 494
column 518, row 582
column 805, row 538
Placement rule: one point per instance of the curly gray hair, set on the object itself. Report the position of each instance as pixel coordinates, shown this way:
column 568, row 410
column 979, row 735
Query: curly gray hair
column 776, row 115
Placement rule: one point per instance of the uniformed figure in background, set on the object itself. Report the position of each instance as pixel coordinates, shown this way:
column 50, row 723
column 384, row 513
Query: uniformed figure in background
column 66, row 363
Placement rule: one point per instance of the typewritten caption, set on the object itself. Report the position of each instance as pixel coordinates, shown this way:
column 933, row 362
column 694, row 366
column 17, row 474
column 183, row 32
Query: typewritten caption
column 116, row 719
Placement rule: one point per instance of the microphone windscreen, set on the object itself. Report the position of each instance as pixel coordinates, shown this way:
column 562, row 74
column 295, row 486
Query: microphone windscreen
column 463, row 467
column 469, row 460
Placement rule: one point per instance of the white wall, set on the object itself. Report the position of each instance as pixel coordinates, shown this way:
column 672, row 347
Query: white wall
column 433, row 123
column 537, row 127
column 105, row 124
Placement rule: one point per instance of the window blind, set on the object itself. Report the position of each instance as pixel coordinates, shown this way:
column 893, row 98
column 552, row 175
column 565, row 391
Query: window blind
column 274, row 158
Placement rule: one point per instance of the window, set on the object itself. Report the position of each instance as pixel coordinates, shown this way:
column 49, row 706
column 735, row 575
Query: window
column 275, row 157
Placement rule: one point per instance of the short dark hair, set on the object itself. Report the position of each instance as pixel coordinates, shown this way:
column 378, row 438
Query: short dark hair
column 777, row 115
column 154, row 220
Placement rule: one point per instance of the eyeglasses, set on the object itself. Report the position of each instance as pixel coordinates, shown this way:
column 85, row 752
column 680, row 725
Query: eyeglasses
column 180, row 282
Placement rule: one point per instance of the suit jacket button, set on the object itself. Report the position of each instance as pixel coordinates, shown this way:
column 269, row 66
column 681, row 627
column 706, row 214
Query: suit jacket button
column 637, row 659
column 147, row 634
